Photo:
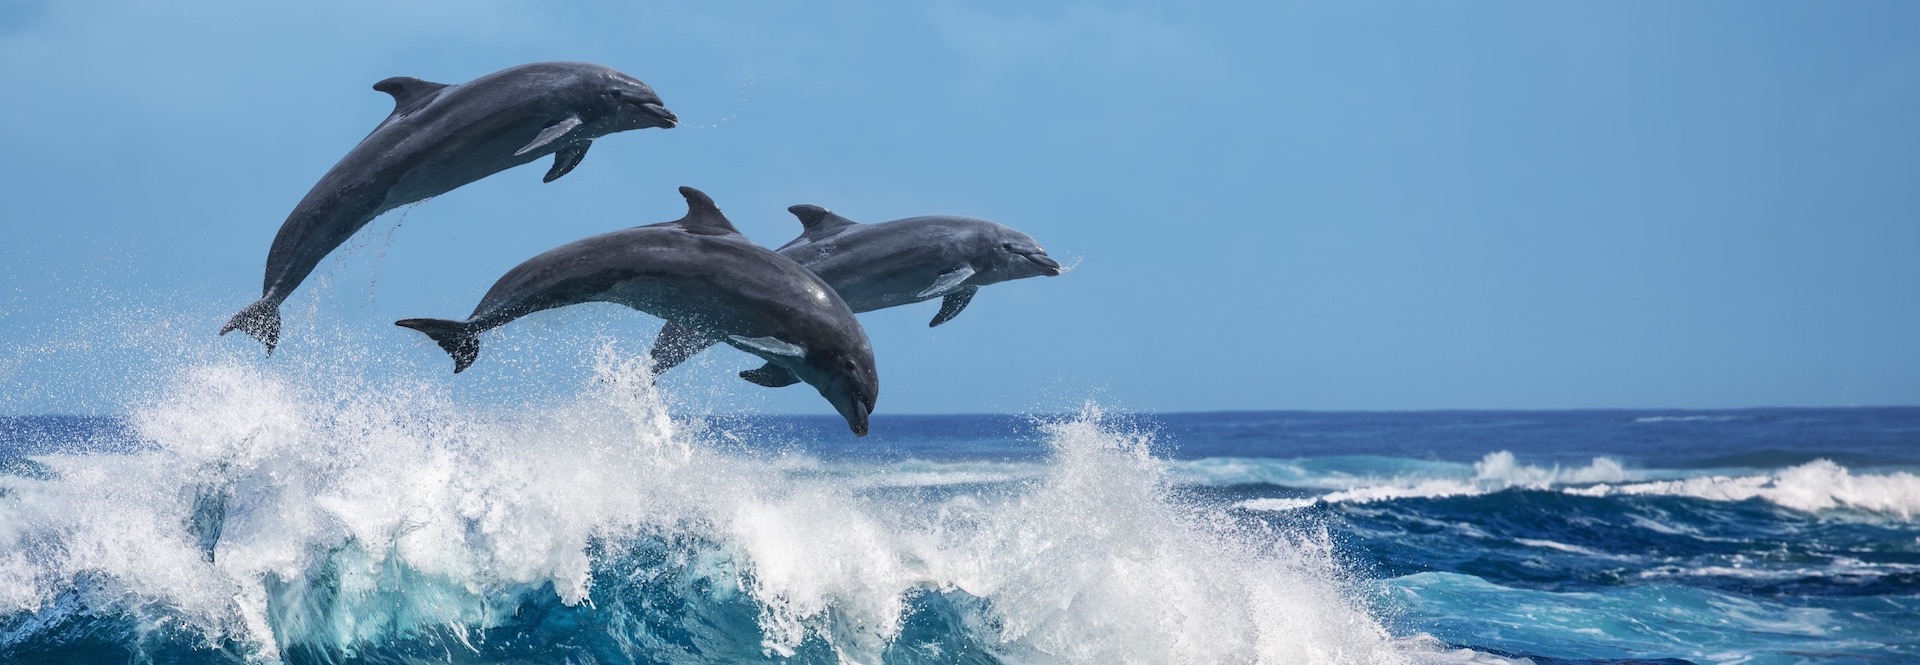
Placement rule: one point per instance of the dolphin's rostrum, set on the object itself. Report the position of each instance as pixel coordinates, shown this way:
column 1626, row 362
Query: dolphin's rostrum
column 876, row 266
column 439, row 138
column 699, row 273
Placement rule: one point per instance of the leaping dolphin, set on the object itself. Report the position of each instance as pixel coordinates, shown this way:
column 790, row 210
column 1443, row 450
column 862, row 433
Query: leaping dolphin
column 700, row 273
column 441, row 137
column 876, row 266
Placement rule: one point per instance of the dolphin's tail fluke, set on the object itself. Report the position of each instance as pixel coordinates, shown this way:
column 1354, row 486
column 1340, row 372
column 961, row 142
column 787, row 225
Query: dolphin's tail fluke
column 261, row 320
column 459, row 339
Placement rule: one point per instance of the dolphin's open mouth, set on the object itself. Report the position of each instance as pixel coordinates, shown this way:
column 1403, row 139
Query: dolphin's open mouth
column 1045, row 262
column 666, row 119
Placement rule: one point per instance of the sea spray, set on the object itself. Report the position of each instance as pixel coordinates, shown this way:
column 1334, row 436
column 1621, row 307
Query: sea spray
column 1095, row 563
column 383, row 519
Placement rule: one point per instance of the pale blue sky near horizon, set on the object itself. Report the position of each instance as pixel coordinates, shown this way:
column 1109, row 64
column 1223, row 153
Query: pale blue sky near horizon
column 1269, row 205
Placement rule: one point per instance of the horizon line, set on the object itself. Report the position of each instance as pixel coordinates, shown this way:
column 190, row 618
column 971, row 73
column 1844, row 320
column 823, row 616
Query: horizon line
column 1123, row 412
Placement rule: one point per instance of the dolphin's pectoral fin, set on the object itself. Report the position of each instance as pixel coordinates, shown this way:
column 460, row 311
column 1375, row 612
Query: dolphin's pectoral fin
column 566, row 159
column 771, row 376
column 951, row 305
column 677, row 343
column 947, row 282
column 772, row 346
column 552, row 133
column 409, row 93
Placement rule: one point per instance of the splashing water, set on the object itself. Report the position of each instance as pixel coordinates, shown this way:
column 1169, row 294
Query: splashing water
column 272, row 519
column 746, row 94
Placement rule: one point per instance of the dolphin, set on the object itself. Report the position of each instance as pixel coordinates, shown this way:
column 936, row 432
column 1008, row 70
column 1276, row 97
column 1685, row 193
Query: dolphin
column 700, row 273
column 439, row 138
column 876, row 266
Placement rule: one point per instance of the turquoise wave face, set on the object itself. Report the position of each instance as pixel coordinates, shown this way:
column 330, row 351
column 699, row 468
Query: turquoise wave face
column 244, row 516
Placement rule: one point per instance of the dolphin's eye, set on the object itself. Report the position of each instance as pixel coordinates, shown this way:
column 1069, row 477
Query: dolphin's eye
column 1006, row 246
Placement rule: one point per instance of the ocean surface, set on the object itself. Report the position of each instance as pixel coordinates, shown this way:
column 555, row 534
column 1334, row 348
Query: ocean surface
column 238, row 517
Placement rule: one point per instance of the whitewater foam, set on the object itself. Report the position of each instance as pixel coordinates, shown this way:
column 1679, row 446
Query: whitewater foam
column 1812, row 487
column 1495, row 472
column 1821, row 485
column 360, row 515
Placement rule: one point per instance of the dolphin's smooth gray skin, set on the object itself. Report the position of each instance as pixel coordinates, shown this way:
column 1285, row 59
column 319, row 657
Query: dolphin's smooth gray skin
column 699, row 273
column 439, row 138
column 876, row 266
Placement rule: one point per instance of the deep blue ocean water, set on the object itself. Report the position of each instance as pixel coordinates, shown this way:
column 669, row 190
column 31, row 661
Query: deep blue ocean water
column 240, row 518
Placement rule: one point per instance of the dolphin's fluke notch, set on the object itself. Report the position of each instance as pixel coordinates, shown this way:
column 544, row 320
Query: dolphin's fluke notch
column 260, row 320
column 458, row 338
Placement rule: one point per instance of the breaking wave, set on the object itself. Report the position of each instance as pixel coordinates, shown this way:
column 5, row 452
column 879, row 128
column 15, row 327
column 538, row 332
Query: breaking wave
column 1496, row 472
column 1820, row 485
column 351, row 519
column 1812, row 487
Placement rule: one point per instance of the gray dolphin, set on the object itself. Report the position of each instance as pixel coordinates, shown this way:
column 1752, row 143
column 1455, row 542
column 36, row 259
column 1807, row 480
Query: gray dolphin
column 439, row 138
column 876, row 266
column 699, row 273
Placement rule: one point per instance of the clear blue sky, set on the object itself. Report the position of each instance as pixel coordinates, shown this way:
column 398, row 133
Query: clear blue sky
column 1330, row 205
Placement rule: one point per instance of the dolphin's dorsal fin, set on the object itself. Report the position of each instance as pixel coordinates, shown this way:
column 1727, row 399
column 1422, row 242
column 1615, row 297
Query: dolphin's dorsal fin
column 703, row 217
column 819, row 222
column 409, row 93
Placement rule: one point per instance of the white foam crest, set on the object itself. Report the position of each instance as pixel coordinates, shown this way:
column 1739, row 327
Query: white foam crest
column 1812, row 487
column 1096, row 565
column 1495, row 472
column 429, row 515
column 1563, row 547
column 1500, row 469
column 1688, row 419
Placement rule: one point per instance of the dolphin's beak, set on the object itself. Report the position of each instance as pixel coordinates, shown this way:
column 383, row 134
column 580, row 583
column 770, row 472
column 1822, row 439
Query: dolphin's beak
column 1046, row 263
column 851, row 402
column 854, row 405
column 663, row 118
column 856, row 415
